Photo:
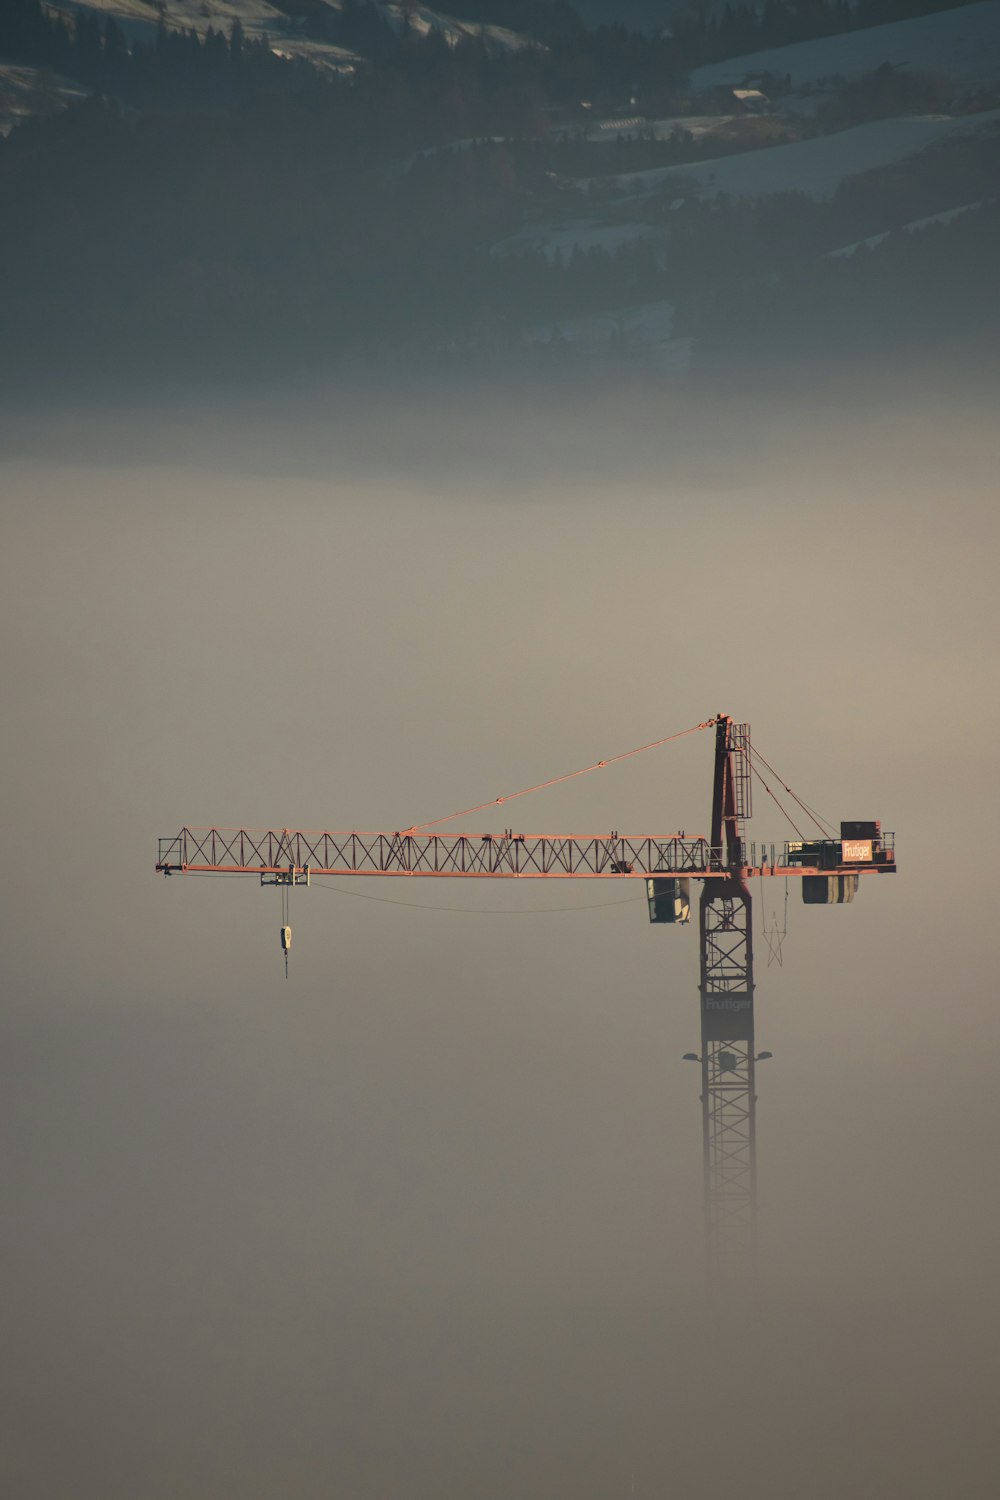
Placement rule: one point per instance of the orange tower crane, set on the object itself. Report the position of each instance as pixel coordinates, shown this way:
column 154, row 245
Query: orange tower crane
column 829, row 867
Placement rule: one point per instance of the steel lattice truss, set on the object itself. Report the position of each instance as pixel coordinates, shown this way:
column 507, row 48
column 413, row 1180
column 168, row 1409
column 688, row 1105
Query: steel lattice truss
column 273, row 851
column 730, row 1156
column 728, row 1087
column 498, row 856
column 726, row 956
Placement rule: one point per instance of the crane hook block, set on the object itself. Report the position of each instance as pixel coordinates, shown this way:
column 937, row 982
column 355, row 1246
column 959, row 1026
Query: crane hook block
column 286, row 939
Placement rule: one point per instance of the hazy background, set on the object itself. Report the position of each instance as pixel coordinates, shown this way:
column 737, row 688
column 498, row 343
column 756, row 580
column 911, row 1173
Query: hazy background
column 426, row 1220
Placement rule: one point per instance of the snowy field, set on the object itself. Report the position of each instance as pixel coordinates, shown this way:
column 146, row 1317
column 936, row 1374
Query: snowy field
column 563, row 239
column 815, row 167
column 646, row 329
column 661, row 130
column 28, row 91
column 964, row 44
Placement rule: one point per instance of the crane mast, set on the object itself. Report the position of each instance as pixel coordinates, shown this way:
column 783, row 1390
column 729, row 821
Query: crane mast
column 724, row 862
column 726, row 986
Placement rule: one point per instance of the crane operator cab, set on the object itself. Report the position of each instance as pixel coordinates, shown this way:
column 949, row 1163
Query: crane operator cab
column 669, row 898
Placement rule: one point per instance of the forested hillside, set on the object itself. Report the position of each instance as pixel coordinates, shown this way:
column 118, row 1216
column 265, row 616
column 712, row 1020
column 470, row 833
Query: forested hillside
column 219, row 207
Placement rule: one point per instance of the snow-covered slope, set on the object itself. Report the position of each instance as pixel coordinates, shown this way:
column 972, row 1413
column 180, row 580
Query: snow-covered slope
column 815, row 167
column 423, row 19
column 139, row 19
column 28, row 91
column 644, row 331
column 563, row 239
column 697, row 126
column 963, row 43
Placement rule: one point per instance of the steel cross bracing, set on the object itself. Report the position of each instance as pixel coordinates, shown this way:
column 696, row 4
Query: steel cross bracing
column 730, row 1159
column 728, row 1096
column 250, row 851
column 507, row 855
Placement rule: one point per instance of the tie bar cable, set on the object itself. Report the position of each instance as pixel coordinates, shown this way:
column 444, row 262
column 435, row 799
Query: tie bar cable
column 555, row 780
column 824, row 826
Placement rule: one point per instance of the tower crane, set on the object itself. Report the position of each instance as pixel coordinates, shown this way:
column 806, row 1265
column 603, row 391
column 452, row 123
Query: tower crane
column 829, row 867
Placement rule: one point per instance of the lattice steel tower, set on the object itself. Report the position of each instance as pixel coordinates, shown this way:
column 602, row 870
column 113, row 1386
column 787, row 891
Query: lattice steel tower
column 728, row 1096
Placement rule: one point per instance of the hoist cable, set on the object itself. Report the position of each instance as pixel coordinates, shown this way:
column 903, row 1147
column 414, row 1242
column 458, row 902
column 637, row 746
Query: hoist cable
column 774, row 935
column 541, row 786
column 473, row 911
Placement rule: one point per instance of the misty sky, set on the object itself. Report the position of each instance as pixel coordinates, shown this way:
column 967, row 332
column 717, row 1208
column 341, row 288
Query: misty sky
column 425, row 1220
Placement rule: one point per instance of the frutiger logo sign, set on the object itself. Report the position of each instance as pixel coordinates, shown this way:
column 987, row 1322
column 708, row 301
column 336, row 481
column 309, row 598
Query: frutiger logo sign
column 856, row 849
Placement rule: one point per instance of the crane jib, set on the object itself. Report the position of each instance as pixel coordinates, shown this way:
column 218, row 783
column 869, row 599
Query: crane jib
column 507, row 855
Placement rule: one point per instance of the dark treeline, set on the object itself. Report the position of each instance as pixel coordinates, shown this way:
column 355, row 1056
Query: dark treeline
column 188, row 244
column 182, row 69
column 605, row 65
column 928, row 288
column 761, row 276
column 725, row 251
column 201, row 241
column 722, row 253
column 142, row 245
column 177, row 69
column 569, row 155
